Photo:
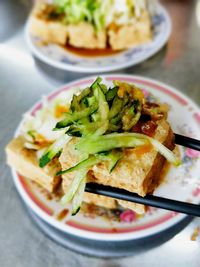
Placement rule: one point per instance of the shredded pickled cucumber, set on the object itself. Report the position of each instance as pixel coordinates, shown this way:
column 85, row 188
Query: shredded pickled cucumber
column 102, row 118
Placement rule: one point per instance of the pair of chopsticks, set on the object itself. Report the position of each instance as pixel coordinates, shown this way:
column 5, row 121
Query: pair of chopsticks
column 151, row 200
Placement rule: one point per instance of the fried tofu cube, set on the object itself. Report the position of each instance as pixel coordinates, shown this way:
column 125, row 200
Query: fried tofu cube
column 84, row 35
column 130, row 35
column 102, row 201
column 49, row 31
column 46, row 24
column 25, row 162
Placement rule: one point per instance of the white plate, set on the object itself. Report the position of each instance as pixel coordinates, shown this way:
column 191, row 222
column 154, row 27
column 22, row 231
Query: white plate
column 57, row 57
column 182, row 183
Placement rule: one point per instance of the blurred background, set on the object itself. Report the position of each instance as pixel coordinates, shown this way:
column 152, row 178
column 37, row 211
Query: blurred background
column 24, row 78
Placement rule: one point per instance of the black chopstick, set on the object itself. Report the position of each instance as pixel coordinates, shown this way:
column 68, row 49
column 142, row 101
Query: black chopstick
column 150, row 200
column 187, row 142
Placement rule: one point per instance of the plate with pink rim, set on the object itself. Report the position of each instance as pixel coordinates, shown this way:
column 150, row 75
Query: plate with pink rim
column 181, row 183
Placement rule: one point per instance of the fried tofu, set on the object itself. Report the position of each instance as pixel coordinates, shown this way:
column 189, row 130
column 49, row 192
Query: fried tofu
column 84, row 34
column 25, row 162
column 131, row 35
column 49, row 31
column 136, row 172
column 98, row 200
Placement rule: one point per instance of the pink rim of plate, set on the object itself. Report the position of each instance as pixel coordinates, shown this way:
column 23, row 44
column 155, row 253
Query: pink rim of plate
column 82, row 230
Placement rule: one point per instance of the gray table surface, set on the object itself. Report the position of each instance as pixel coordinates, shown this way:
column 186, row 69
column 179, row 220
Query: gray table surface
column 24, row 79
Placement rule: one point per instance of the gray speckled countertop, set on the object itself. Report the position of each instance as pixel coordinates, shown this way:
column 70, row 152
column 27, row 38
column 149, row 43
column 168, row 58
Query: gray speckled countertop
column 23, row 80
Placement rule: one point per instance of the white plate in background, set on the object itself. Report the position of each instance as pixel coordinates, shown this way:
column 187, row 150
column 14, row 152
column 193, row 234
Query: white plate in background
column 58, row 57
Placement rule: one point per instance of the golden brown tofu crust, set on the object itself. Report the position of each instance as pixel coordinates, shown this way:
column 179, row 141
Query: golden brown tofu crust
column 26, row 163
column 49, row 31
column 83, row 35
column 131, row 35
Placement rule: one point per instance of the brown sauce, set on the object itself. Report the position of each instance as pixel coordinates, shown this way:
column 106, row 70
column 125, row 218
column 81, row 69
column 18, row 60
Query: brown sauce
column 165, row 171
column 91, row 208
column 62, row 214
column 195, row 234
column 58, row 193
column 145, row 127
column 90, row 52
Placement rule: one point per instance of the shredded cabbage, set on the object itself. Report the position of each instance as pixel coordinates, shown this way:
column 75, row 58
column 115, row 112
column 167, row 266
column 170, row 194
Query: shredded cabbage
column 102, row 13
column 40, row 125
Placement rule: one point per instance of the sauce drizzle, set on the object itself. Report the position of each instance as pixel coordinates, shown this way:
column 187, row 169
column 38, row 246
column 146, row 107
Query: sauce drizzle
column 90, row 52
column 62, row 214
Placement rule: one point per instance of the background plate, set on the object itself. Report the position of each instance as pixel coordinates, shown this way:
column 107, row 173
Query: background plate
column 57, row 57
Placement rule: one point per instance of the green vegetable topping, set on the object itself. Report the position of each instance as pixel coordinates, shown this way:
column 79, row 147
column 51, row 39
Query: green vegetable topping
column 53, row 150
column 78, row 197
column 86, row 163
column 100, row 13
column 70, row 118
column 104, row 121
column 74, row 186
column 93, row 144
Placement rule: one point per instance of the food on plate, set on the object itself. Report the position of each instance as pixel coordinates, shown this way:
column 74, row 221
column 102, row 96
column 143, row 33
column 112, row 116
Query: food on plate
column 25, row 162
column 107, row 135
column 94, row 24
